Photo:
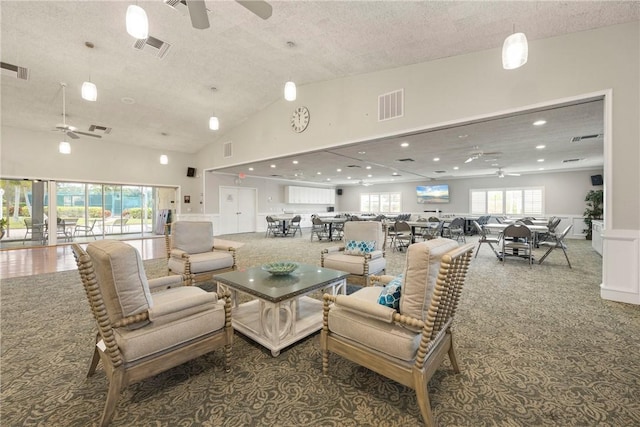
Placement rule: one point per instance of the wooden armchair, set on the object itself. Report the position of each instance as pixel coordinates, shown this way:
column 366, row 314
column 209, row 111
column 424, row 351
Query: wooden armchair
column 141, row 332
column 409, row 343
column 362, row 253
column 192, row 250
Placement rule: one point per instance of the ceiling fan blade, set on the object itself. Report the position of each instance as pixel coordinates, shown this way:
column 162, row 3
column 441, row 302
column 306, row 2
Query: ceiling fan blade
column 88, row 134
column 513, row 174
column 259, row 7
column 72, row 135
column 198, row 13
column 469, row 160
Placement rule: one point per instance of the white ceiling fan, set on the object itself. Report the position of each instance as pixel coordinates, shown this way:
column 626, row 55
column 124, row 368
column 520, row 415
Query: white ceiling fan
column 198, row 10
column 70, row 131
column 475, row 155
column 501, row 173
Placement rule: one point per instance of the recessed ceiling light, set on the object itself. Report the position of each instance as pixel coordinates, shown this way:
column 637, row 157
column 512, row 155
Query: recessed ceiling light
column 362, row 152
column 250, row 169
column 338, row 170
column 348, row 177
column 395, row 174
column 295, row 162
column 369, row 176
column 455, row 168
column 539, row 122
column 463, row 136
column 273, row 166
column 328, row 179
column 404, row 144
column 540, row 147
column 540, row 160
column 436, row 159
column 318, row 173
column 368, row 167
column 495, row 165
column 540, row 169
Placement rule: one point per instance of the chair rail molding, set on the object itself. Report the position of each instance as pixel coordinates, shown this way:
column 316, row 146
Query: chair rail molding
column 621, row 266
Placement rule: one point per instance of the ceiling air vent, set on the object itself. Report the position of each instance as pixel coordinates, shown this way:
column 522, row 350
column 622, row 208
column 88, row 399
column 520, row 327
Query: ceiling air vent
column 227, row 149
column 152, row 45
column 582, row 138
column 353, row 166
column 100, row 129
column 571, row 160
column 21, row 73
column 405, row 160
column 439, row 171
column 391, row 105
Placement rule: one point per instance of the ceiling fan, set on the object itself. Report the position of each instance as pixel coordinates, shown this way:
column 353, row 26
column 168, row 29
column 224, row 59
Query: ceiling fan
column 198, row 10
column 63, row 127
column 501, row 173
column 475, row 155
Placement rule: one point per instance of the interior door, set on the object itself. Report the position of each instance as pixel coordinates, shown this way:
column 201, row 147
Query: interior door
column 237, row 210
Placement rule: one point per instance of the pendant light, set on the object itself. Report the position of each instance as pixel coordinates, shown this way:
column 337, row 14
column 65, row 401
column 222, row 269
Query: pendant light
column 89, row 89
column 164, row 160
column 515, row 51
column 64, row 147
column 137, row 22
column 290, row 87
column 214, row 123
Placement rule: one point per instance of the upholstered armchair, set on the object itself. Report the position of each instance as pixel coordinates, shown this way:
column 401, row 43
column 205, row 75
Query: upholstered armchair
column 402, row 331
column 362, row 253
column 146, row 326
column 192, row 250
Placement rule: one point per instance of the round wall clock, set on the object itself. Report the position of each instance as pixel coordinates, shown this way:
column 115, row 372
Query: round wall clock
column 300, row 119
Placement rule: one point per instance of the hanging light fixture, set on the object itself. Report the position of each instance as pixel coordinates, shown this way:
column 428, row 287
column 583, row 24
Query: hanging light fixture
column 290, row 91
column 214, row 123
column 515, row 51
column 164, row 160
column 89, row 89
column 137, row 22
column 64, row 147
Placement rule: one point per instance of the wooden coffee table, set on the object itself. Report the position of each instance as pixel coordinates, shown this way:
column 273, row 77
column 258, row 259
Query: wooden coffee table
column 281, row 313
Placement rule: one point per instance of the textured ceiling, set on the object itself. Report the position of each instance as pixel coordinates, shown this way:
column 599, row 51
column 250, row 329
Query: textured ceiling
column 245, row 57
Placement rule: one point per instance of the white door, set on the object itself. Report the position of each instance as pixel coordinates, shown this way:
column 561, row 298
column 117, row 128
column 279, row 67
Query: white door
column 237, row 210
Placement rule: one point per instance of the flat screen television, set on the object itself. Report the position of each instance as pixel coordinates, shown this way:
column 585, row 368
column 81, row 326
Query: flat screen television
column 433, row 193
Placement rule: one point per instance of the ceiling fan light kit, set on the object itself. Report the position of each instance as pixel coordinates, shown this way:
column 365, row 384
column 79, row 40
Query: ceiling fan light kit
column 64, row 147
column 164, row 160
column 515, row 51
column 137, row 22
column 89, row 91
column 290, row 91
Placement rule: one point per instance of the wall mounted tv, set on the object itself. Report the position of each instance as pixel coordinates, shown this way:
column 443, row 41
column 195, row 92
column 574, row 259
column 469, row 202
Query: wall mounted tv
column 433, row 193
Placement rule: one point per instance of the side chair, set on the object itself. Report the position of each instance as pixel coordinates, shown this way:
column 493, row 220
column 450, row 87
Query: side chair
column 557, row 242
column 146, row 326
column 405, row 340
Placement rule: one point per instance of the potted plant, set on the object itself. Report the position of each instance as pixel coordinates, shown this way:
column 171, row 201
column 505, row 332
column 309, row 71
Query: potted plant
column 3, row 226
column 593, row 210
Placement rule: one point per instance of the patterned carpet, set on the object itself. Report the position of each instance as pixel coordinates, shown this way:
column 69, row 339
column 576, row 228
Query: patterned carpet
column 537, row 347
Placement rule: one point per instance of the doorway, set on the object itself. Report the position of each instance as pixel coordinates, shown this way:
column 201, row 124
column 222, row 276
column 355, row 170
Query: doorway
column 237, row 210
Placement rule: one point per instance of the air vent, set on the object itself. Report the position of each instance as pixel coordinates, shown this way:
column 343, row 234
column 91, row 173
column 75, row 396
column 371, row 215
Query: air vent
column 353, row 166
column 571, row 160
column 582, row 138
column 439, row 171
column 21, row 73
column 100, row 129
column 405, row 160
column 391, row 105
column 153, row 45
column 227, row 149
column 277, row 176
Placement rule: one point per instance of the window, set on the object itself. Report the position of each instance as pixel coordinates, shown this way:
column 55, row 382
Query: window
column 507, row 201
column 380, row 202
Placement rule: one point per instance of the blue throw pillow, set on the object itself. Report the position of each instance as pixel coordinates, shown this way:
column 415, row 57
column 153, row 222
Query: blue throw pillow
column 359, row 247
column 390, row 295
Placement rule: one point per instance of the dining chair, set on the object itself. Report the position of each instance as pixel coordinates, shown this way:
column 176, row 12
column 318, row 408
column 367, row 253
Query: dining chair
column 455, row 230
column 273, row 227
column 557, row 242
column 86, row 229
column 516, row 238
column 402, row 236
column 484, row 238
column 294, row 226
column 319, row 229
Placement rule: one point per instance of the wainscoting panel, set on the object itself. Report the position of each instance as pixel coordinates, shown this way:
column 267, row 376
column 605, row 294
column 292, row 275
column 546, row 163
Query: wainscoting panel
column 621, row 266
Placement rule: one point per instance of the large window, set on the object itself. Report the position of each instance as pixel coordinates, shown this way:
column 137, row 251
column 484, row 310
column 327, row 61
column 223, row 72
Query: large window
column 507, row 201
column 380, row 202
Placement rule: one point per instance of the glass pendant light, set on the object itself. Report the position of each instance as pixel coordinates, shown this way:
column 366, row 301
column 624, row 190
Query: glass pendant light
column 137, row 22
column 515, row 51
column 214, row 123
column 89, row 91
column 290, row 91
column 164, row 160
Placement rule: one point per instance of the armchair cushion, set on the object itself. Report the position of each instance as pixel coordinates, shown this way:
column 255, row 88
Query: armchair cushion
column 192, row 236
column 177, row 303
column 390, row 295
column 388, row 338
column 201, row 262
column 420, row 273
column 122, row 279
column 165, row 282
column 359, row 247
column 353, row 264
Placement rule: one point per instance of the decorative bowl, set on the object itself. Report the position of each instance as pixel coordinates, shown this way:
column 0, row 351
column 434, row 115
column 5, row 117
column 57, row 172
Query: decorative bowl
column 280, row 268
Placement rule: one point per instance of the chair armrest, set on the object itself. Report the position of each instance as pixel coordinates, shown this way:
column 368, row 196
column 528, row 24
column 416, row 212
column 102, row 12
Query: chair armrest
column 365, row 308
column 181, row 304
column 374, row 255
column 223, row 247
column 226, row 244
column 178, row 253
column 167, row 282
column 332, row 249
column 382, row 280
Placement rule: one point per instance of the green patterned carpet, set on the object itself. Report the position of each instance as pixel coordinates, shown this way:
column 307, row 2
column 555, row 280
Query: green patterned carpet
column 537, row 347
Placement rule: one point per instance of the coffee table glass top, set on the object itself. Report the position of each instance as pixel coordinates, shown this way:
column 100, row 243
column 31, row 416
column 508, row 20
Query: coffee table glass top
column 260, row 283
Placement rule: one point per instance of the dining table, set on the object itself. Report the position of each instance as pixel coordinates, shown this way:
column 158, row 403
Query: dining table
column 533, row 221
column 535, row 229
column 330, row 222
column 283, row 220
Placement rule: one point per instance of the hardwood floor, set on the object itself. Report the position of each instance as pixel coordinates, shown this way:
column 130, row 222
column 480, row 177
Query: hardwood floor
column 49, row 259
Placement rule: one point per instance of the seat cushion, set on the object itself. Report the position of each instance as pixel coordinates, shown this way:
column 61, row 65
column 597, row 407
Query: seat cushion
column 121, row 278
column 173, row 330
column 387, row 338
column 202, row 262
column 192, row 236
column 420, row 273
column 353, row 264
